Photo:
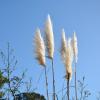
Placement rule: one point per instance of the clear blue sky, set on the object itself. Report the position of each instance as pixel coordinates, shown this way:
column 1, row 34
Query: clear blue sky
column 20, row 18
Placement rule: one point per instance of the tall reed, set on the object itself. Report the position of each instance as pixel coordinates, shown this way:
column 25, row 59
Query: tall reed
column 40, row 54
column 67, row 57
column 75, row 52
column 49, row 41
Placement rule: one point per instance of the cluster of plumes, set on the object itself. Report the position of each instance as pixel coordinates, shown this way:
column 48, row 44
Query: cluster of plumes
column 49, row 42
column 69, row 52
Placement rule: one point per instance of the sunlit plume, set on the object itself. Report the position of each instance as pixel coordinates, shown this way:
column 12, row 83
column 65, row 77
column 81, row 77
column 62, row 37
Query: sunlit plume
column 39, row 47
column 63, row 46
column 49, row 37
column 75, row 47
column 69, row 60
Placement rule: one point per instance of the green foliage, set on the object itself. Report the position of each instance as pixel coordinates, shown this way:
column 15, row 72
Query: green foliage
column 3, row 80
column 1, row 94
column 30, row 96
column 9, row 63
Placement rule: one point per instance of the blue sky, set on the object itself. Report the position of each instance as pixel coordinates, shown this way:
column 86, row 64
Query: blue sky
column 20, row 18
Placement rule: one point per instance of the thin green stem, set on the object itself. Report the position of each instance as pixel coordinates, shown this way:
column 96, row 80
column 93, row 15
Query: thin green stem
column 8, row 69
column 46, row 82
column 75, row 83
column 53, row 81
column 8, row 75
column 68, row 92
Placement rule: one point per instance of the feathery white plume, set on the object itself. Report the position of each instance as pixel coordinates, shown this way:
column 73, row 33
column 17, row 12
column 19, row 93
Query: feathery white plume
column 39, row 47
column 75, row 47
column 69, row 59
column 63, row 46
column 49, row 37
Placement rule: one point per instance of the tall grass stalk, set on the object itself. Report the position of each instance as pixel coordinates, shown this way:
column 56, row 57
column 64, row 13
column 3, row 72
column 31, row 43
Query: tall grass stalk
column 49, row 41
column 67, row 57
column 40, row 54
column 75, row 52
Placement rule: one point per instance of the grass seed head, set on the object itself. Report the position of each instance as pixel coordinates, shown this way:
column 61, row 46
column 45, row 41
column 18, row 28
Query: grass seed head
column 49, row 37
column 39, row 47
column 63, row 46
column 75, row 47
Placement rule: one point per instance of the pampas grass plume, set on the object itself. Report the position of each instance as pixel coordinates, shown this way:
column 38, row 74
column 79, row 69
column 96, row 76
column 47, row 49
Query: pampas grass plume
column 63, row 46
column 69, row 60
column 75, row 47
column 49, row 38
column 39, row 47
